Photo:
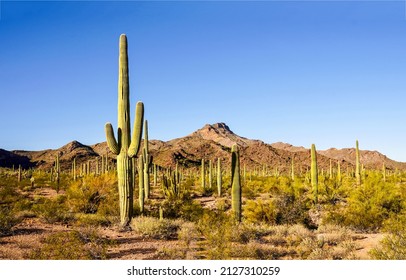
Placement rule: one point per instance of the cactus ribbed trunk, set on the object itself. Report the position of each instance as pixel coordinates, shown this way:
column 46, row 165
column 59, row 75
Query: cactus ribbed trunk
column 314, row 174
column 235, row 183
column 125, row 147
column 125, row 190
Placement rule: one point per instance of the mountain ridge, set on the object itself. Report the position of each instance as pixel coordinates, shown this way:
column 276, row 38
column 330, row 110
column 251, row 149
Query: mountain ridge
column 210, row 142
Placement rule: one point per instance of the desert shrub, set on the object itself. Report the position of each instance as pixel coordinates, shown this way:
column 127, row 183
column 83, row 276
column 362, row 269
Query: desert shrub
column 94, row 195
column 297, row 233
column 333, row 234
column 188, row 236
column 246, row 232
column 82, row 244
column 92, row 220
column 154, row 228
column 329, row 242
column 253, row 188
column 9, row 194
column 186, row 209
column 188, row 233
column 223, row 204
column 256, row 211
column 291, row 209
column 258, row 251
column 370, row 204
column 8, row 219
column 52, row 210
column 217, row 230
column 393, row 245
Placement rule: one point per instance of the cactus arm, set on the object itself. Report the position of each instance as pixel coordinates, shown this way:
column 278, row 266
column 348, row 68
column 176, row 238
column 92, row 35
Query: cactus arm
column 111, row 140
column 137, row 131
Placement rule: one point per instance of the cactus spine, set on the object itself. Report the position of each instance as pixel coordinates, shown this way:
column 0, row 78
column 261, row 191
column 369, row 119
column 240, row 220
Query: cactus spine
column 357, row 165
column 125, row 147
column 235, row 183
column 314, row 174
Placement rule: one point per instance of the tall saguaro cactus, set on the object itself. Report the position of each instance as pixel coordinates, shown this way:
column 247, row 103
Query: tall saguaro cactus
column 203, row 176
column 147, row 161
column 125, row 147
column 235, row 183
column 219, row 177
column 357, row 165
column 314, row 174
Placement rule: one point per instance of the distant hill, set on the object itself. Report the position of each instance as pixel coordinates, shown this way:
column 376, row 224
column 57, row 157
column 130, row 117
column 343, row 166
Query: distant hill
column 210, row 142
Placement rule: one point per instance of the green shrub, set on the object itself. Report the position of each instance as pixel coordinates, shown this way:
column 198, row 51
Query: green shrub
column 370, row 204
column 94, row 195
column 72, row 245
column 257, row 211
column 217, row 230
column 53, row 210
column 154, row 228
column 188, row 209
column 393, row 245
column 8, row 219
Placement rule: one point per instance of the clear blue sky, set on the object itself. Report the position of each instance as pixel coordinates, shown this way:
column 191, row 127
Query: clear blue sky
column 302, row 72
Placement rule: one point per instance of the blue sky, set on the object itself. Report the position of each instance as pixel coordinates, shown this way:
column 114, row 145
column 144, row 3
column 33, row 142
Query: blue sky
column 301, row 72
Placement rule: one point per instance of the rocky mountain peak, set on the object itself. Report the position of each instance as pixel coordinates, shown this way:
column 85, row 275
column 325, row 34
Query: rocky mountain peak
column 221, row 134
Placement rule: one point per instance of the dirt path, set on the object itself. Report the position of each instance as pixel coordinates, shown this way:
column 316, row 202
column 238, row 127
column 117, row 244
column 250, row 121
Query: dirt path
column 365, row 242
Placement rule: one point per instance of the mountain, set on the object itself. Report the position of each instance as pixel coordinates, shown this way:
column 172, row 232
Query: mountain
column 210, row 143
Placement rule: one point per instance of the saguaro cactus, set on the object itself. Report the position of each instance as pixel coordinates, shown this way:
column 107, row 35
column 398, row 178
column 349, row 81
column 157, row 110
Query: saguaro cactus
column 384, row 172
column 141, row 183
column 203, row 176
column 125, row 147
column 219, row 177
column 58, row 173
column 235, row 183
column 314, row 174
column 147, row 161
column 357, row 165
